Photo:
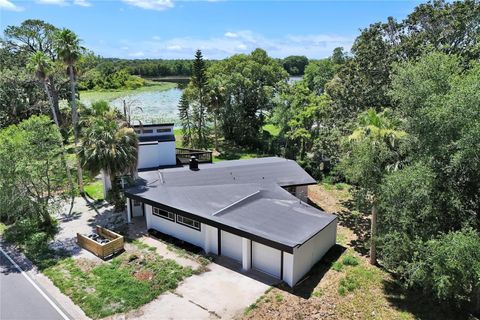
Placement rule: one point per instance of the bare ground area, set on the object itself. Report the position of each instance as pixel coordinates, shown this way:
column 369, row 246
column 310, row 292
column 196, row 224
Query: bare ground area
column 336, row 288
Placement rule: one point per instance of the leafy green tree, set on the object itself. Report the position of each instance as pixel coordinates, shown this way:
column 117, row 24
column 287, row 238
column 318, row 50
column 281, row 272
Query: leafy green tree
column 373, row 150
column 301, row 115
column 441, row 104
column 250, row 83
column 34, row 36
column 295, row 65
column 318, row 73
column 338, row 57
column 34, row 180
column 449, row 266
column 67, row 46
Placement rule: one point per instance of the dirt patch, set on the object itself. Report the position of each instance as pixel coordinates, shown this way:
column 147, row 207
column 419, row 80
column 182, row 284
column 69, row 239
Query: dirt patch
column 144, row 275
column 87, row 265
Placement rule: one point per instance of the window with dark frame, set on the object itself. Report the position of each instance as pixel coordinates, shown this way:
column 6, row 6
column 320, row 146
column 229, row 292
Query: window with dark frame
column 136, row 203
column 194, row 224
column 163, row 214
column 164, row 130
column 148, row 131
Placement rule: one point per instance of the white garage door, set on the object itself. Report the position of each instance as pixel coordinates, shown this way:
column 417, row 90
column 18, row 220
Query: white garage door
column 266, row 259
column 231, row 246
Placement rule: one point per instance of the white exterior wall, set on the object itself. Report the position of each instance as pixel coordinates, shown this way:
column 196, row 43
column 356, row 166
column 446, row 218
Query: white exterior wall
column 137, row 211
column 231, row 246
column 266, row 259
column 288, row 268
column 312, row 251
column 301, row 193
column 155, row 155
column 147, row 156
column 211, row 239
column 166, row 154
column 175, row 229
column 246, row 253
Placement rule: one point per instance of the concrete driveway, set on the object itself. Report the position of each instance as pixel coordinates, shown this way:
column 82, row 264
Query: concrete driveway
column 220, row 293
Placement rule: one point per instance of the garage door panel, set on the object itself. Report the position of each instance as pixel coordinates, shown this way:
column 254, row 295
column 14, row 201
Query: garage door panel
column 231, row 246
column 266, row 259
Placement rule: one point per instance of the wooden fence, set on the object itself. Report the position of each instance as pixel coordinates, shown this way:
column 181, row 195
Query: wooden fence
column 115, row 244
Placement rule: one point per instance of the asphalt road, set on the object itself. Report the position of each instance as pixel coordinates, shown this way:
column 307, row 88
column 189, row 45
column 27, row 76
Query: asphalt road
column 19, row 299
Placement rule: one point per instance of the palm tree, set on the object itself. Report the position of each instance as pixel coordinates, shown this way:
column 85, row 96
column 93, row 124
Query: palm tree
column 42, row 66
column 67, row 46
column 108, row 146
column 379, row 132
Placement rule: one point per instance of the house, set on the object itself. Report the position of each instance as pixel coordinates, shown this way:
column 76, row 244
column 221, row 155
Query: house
column 252, row 211
column 156, row 146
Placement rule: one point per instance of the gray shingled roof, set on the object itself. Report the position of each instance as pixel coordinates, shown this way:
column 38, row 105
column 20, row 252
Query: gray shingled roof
column 243, row 194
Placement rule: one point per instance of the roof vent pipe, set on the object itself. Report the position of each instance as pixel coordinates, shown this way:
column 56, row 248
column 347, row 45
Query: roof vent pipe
column 193, row 163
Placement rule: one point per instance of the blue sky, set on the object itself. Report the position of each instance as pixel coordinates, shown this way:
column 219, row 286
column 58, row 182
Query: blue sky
column 175, row 29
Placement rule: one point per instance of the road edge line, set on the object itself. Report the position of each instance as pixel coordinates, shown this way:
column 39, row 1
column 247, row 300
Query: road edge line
column 53, row 304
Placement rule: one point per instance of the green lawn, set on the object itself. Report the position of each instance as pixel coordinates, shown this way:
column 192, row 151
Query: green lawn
column 126, row 283
column 109, row 95
column 95, row 190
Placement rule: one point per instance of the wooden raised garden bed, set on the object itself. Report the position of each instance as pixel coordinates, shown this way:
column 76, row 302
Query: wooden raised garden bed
column 103, row 243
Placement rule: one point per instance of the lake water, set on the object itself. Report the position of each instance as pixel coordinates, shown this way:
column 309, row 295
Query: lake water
column 158, row 106
column 152, row 107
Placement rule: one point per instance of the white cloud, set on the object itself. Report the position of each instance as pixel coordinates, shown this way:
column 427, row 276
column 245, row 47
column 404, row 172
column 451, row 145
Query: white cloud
column 242, row 46
column 230, row 34
column 156, row 38
column 223, row 45
column 158, row 5
column 174, row 47
column 82, row 3
column 8, row 5
column 54, row 2
column 137, row 54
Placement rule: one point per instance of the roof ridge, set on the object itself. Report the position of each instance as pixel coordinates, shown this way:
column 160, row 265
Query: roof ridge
column 236, row 202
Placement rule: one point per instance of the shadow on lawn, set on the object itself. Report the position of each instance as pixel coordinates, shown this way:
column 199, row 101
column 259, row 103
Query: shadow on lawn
column 419, row 304
column 307, row 285
column 358, row 223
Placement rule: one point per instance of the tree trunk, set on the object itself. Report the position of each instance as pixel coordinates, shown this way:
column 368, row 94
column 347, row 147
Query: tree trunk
column 373, row 236
column 73, row 101
column 64, row 158
column 107, row 183
column 215, row 128
column 54, row 99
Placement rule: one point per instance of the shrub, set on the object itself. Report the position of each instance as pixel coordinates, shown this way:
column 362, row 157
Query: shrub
column 278, row 297
column 350, row 260
column 349, row 283
column 337, row 266
column 449, row 267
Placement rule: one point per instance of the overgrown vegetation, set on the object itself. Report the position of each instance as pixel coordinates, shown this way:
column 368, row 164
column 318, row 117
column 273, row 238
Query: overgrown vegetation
column 125, row 283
